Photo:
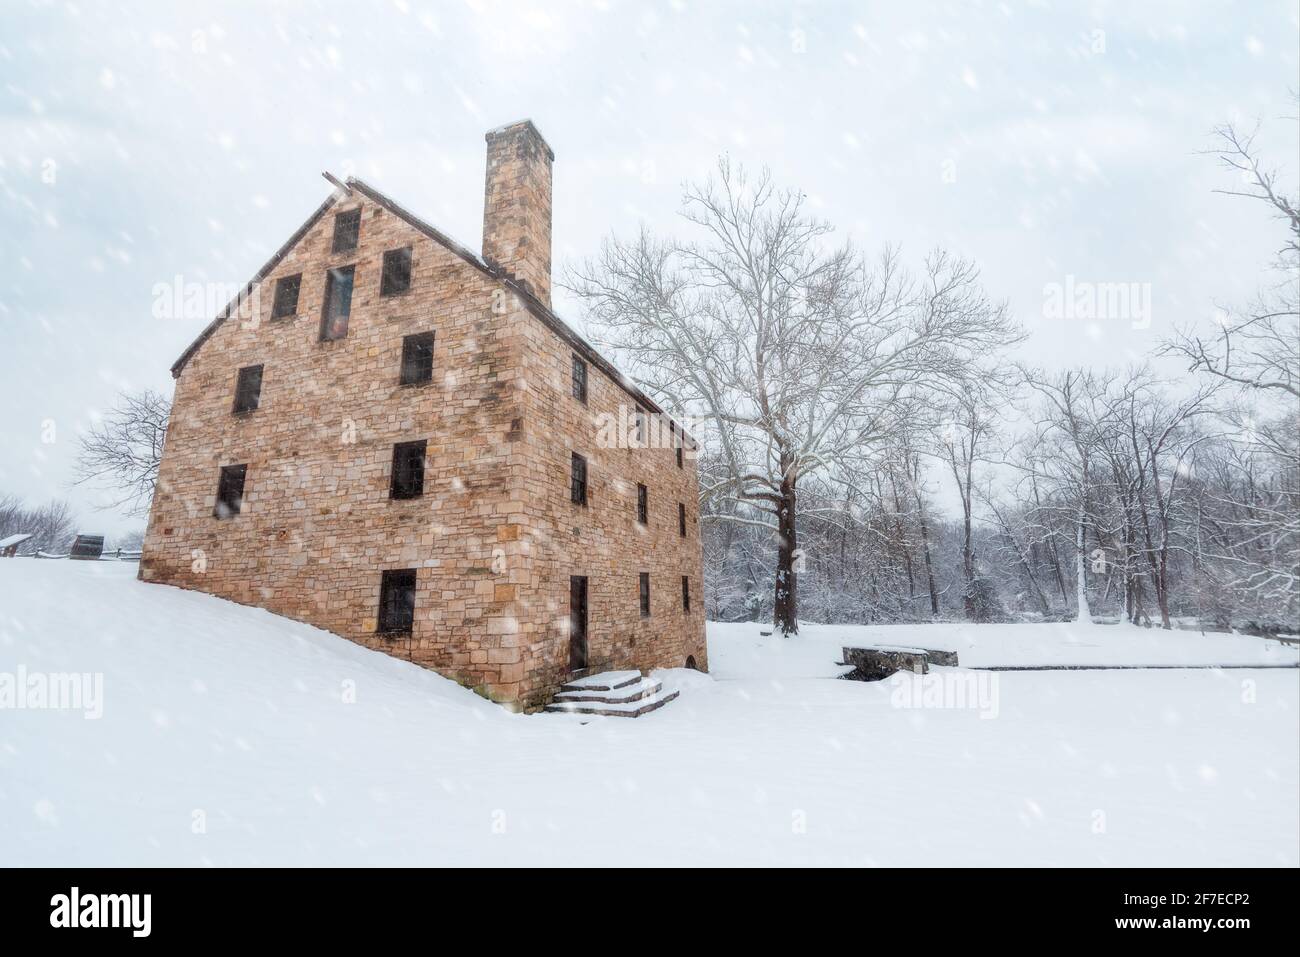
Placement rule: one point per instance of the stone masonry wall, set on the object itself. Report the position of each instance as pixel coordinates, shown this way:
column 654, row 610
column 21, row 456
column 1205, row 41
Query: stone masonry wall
column 317, row 524
column 603, row 540
column 492, row 537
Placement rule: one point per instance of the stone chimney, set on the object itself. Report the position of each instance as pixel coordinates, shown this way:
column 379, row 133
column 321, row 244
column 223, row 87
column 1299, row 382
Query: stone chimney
column 517, row 206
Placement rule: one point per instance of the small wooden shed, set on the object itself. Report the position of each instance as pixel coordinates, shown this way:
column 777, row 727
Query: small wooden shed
column 9, row 545
column 88, row 548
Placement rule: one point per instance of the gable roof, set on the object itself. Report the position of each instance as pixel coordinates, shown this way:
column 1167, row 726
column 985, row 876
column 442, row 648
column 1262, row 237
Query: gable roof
column 534, row 305
column 261, row 274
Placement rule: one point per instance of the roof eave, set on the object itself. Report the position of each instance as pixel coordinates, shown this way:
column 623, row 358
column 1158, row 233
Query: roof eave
column 179, row 365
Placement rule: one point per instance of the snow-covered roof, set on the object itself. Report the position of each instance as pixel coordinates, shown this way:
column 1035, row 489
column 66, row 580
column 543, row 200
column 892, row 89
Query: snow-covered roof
column 15, row 539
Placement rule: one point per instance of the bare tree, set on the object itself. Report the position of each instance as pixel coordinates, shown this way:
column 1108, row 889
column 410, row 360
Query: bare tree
column 1159, row 436
column 11, row 514
column 52, row 526
column 1258, row 348
column 1062, row 452
column 799, row 356
column 1246, row 533
column 967, row 424
column 910, row 464
column 122, row 451
column 55, row 525
column 1247, row 524
column 132, row 540
column 1021, row 552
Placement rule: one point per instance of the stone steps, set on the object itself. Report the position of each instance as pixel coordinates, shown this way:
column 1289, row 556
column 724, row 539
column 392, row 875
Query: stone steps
column 641, row 688
column 605, row 681
column 615, row 694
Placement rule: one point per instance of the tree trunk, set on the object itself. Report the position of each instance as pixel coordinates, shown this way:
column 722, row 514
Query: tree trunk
column 901, row 535
column 1054, row 559
column 1024, row 560
column 1084, row 617
column 1162, row 593
column 968, row 567
column 1130, row 569
column 925, row 548
column 785, row 604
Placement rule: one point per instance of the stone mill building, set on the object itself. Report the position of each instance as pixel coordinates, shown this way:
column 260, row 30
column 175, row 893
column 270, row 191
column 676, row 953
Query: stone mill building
column 394, row 439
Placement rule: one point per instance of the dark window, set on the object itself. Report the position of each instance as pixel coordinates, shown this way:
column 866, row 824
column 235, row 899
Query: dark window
column 579, row 380
column 642, row 504
column 397, row 272
column 286, row 296
column 408, row 470
column 578, row 482
column 230, row 491
column 681, row 519
column 645, row 594
column 338, row 303
column 397, row 601
column 678, row 441
column 347, row 227
column 686, row 593
column 248, row 389
column 417, row 358
column 640, row 428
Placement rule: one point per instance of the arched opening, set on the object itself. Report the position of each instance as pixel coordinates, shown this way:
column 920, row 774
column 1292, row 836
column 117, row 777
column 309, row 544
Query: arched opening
column 690, row 663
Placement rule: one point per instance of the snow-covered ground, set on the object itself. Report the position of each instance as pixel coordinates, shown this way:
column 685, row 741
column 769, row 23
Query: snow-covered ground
column 742, row 649
column 231, row 736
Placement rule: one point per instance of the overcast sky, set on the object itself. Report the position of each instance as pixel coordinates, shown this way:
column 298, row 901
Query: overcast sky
column 140, row 142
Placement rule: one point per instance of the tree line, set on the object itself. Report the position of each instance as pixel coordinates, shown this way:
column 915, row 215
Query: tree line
column 831, row 390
